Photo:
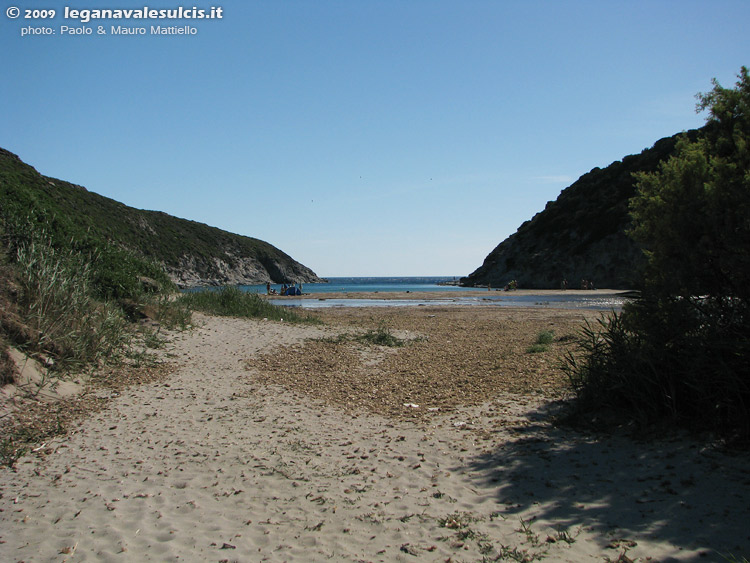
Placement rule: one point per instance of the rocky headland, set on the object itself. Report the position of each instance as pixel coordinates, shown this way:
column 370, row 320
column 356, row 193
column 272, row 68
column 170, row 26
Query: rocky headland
column 191, row 253
column 582, row 235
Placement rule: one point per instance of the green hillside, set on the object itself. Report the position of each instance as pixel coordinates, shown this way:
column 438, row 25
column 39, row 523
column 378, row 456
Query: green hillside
column 190, row 253
column 581, row 235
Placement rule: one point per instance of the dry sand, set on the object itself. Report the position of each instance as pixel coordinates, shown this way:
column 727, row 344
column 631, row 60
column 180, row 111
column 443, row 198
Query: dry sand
column 264, row 445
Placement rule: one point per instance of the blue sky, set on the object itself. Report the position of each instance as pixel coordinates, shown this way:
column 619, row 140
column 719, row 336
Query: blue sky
column 362, row 137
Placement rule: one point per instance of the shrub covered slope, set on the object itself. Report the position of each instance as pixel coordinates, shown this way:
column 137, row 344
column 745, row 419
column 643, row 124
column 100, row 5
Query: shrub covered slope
column 580, row 235
column 191, row 253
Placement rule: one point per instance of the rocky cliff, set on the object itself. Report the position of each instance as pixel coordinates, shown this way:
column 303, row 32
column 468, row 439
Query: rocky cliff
column 192, row 254
column 237, row 261
column 581, row 235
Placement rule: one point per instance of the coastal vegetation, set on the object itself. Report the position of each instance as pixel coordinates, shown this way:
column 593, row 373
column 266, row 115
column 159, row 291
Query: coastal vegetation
column 381, row 336
column 542, row 342
column 39, row 210
column 680, row 353
column 79, row 272
column 130, row 242
column 63, row 304
column 59, row 303
column 77, row 269
column 65, row 315
column 231, row 301
column 85, row 293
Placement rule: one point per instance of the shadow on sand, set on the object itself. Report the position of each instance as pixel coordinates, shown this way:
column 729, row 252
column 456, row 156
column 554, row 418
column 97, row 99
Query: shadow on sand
column 624, row 490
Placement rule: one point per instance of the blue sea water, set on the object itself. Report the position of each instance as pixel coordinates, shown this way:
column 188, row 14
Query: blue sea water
column 372, row 285
column 427, row 284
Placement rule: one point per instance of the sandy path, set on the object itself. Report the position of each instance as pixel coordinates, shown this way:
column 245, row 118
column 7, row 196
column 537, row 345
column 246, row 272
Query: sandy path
column 212, row 466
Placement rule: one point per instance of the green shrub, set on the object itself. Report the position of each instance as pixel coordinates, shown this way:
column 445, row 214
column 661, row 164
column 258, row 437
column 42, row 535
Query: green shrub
column 117, row 273
column 681, row 352
column 170, row 313
column 543, row 340
column 113, row 271
column 57, row 304
column 609, row 371
column 381, row 337
column 667, row 362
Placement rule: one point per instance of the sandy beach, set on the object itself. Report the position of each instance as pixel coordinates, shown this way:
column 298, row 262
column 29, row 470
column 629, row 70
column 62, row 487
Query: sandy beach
column 271, row 441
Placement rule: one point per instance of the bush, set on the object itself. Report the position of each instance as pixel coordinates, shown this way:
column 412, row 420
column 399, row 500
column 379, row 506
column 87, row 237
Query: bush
column 381, row 337
column 609, row 371
column 667, row 362
column 56, row 302
column 543, row 340
column 117, row 274
column 681, row 352
column 113, row 272
column 168, row 312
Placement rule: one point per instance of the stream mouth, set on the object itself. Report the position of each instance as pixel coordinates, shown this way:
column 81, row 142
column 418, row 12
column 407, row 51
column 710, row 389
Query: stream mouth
column 598, row 302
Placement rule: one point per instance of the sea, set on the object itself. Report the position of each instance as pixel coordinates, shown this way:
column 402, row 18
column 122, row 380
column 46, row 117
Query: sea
column 445, row 284
column 374, row 285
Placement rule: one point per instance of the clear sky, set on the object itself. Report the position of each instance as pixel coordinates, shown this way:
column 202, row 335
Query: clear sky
column 361, row 137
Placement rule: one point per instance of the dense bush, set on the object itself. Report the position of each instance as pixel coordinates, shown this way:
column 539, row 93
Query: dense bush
column 120, row 274
column 71, row 287
column 113, row 272
column 56, row 302
column 682, row 352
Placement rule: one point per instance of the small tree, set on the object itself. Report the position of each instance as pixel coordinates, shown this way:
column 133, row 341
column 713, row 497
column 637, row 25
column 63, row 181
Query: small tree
column 683, row 350
column 693, row 215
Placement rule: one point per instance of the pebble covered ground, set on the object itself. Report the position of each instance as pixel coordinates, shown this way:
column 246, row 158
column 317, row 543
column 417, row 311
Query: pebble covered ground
column 449, row 357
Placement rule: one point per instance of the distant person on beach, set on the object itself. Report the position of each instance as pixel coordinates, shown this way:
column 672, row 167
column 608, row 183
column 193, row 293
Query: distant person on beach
column 268, row 288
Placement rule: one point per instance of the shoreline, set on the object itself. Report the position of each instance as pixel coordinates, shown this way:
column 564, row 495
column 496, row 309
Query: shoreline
column 438, row 295
column 277, row 442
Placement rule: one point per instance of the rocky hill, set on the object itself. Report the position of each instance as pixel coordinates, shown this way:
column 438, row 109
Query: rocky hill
column 581, row 235
column 192, row 254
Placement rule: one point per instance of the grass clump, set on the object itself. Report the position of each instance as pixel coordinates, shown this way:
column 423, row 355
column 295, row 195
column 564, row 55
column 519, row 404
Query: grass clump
column 543, row 340
column 233, row 302
column 381, row 336
column 56, row 302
